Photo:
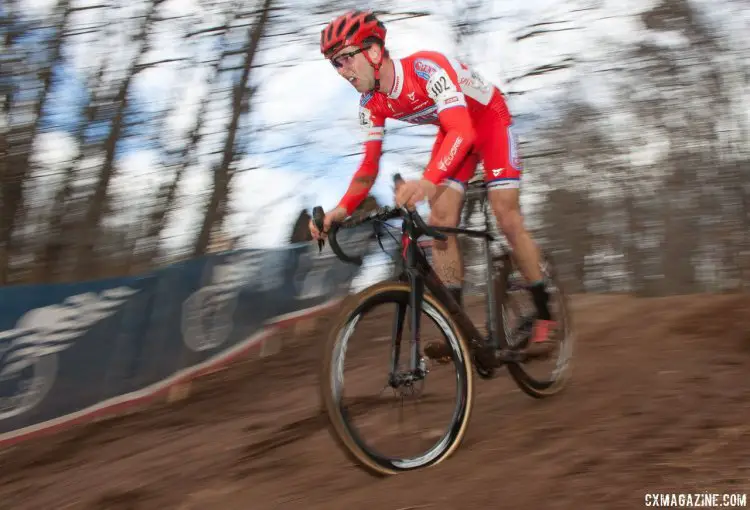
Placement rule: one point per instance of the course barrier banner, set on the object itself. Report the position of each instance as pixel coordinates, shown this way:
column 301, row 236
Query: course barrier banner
column 68, row 348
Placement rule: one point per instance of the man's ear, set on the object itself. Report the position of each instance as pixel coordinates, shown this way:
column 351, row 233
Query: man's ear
column 375, row 52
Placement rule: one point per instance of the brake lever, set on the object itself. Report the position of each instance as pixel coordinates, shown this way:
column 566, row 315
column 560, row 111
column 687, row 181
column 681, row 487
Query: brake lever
column 318, row 218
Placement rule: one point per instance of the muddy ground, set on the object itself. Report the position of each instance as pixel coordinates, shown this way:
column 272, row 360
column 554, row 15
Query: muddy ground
column 659, row 402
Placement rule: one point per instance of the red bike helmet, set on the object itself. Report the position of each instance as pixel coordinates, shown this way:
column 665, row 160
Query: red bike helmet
column 352, row 29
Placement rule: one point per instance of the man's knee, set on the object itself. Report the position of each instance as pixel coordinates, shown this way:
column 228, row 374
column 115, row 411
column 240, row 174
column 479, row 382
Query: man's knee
column 505, row 205
column 511, row 223
column 445, row 209
column 444, row 217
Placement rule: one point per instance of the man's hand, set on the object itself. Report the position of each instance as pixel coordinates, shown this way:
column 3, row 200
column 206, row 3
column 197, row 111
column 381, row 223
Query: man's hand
column 409, row 193
column 336, row 214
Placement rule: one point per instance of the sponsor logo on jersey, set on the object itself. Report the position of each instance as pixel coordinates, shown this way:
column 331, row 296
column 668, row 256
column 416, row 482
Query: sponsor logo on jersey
column 396, row 85
column 423, row 116
column 365, row 99
column 474, row 80
column 466, row 82
column 425, row 68
column 515, row 157
column 445, row 162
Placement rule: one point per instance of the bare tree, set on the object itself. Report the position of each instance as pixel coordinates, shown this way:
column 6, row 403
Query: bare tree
column 98, row 202
column 222, row 174
column 21, row 133
column 167, row 194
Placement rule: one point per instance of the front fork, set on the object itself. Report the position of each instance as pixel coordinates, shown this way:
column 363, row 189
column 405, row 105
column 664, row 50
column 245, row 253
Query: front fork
column 416, row 370
column 416, row 282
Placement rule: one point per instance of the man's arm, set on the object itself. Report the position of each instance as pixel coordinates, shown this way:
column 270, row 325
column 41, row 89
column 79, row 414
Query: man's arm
column 365, row 175
column 455, row 122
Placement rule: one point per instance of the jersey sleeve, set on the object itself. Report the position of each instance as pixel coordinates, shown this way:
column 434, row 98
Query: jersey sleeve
column 441, row 83
column 373, row 126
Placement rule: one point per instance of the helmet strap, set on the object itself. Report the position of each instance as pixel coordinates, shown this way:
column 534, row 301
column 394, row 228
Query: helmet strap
column 376, row 67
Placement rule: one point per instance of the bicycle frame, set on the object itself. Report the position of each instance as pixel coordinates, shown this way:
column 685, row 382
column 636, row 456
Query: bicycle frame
column 420, row 274
column 488, row 353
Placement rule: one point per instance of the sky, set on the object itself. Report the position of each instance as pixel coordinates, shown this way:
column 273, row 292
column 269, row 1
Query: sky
column 303, row 94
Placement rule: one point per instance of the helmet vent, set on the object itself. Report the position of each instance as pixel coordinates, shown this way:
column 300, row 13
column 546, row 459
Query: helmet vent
column 353, row 30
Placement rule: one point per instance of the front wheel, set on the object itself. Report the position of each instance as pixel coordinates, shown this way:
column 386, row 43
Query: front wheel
column 389, row 326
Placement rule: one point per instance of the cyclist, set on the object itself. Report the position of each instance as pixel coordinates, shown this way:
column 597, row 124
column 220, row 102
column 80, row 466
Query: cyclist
column 474, row 124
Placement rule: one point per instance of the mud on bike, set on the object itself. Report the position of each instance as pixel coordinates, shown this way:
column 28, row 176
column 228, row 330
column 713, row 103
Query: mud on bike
column 419, row 290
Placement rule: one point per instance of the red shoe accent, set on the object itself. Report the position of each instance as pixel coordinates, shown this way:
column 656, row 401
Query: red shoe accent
column 542, row 330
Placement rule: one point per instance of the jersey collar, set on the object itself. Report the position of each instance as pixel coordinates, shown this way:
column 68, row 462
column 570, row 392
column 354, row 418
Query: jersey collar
column 398, row 79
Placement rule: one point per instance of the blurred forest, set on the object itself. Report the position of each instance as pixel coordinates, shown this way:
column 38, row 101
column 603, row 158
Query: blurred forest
column 645, row 192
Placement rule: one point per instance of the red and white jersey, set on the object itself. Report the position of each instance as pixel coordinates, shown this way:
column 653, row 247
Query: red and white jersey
column 425, row 84
column 428, row 88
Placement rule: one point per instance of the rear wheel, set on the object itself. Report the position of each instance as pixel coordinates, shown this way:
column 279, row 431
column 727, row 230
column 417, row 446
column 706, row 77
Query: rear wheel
column 342, row 428
column 518, row 310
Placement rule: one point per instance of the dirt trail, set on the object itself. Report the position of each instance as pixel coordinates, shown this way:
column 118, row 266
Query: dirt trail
column 659, row 403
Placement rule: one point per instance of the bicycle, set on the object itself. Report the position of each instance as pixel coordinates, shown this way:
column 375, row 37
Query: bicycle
column 419, row 288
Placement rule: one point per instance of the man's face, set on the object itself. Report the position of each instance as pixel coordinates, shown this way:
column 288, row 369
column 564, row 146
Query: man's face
column 354, row 67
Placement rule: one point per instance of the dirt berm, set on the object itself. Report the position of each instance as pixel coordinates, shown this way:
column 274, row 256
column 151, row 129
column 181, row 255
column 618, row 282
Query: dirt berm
column 659, row 402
